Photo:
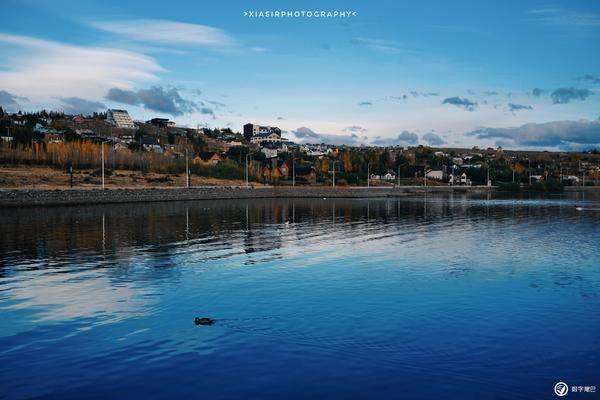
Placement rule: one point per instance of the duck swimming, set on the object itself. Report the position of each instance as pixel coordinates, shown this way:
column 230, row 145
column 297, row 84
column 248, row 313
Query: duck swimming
column 203, row 321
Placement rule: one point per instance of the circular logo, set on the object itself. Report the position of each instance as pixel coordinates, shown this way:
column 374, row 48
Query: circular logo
column 561, row 389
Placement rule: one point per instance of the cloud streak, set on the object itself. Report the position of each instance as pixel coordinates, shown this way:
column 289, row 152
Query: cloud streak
column 512, row 107
column 167, row 32
column 561, row 18
column 383, row 46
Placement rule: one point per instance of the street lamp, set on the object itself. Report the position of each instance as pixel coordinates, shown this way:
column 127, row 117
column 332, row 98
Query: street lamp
column 368, row 174
column 187, row 170
column 293, row 171
column 247, row 180
column 102, row 165
column 333, row 181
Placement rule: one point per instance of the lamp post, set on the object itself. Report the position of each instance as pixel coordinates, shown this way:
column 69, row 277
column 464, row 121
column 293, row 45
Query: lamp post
column 102, row 165
column 187, row 170
column 333, row 181
column 368, row 174
column 398, row 174
column 293, row 171
column 247, row 178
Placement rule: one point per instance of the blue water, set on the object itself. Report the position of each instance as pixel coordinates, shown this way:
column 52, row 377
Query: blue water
column 420, row 298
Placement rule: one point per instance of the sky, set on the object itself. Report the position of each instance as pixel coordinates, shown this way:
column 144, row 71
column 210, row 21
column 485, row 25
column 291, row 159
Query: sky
column 516, row 74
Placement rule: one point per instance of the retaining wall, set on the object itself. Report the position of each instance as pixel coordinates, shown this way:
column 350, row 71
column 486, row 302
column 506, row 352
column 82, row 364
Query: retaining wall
column 35, row 197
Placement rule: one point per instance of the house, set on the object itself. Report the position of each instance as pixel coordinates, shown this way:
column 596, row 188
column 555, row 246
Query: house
column 39, row 128
column 120, row 119
column 571, row 179
column 436, row 175
column 54, row 138
column 459, row 179
column 120, row 146
column 537, row 178
column 305, row 174
column 161, row 122
column 207, row 158
column 269, row 152
column 390, row 176
column 283, row 168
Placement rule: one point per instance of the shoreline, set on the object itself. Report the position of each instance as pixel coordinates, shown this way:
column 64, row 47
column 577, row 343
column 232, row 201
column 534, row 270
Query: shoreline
column 85, row 196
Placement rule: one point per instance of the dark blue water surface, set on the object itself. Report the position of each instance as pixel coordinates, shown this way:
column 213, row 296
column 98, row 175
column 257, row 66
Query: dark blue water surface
column 418, row 298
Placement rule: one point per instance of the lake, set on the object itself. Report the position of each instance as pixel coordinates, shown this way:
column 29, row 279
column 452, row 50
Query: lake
column 447, row 297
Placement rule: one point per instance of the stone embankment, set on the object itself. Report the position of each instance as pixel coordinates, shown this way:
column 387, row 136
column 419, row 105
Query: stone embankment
column 45, row 197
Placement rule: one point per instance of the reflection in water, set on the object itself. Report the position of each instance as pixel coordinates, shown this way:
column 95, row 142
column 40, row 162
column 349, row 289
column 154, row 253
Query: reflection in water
column 431, row 294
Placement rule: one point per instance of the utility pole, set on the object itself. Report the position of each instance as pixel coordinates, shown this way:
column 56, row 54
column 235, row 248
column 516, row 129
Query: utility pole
column 102, row 165
column 247, row 179
column 333, row 174
column 187, row 170
column 293, row 171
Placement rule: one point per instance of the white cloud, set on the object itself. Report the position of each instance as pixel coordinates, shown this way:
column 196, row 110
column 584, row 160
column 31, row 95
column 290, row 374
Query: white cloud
column 170, row 32
column 383, row 46
column 565, row 18
column 44, row 70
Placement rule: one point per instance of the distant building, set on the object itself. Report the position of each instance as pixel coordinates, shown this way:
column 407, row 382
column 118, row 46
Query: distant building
column 120, row 119
column 264, row 138
column 161, row 122
column 251, row 130
column 437, row 175
column 207, row 158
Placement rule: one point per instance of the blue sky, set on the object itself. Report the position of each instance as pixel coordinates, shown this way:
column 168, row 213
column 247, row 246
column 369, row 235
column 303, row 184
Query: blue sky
column 463, row 73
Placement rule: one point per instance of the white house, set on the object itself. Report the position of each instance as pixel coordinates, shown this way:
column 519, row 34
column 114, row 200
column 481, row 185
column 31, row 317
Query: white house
column 269, row 153
column 436, row 175
column 459, row 179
